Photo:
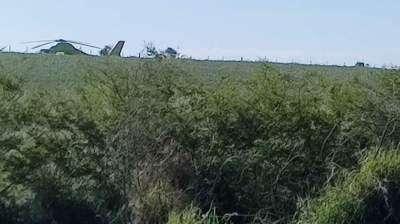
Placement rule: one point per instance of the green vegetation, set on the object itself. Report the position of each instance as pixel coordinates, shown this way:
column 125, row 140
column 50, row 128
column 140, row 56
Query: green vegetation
column 111, row 140
column 369, row 195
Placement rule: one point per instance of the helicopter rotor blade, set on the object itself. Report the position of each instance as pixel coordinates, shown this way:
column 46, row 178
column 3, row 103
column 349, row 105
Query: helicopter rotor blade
column 41, row 45
column 77, row 42
column 83, row 44
column 46, row 42
column 39, row 41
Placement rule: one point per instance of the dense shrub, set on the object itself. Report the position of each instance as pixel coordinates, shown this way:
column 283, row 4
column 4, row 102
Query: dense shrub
column 52, row 165
column 144, row 144
column 368, row 195
column 257, row 146
column 250, row 148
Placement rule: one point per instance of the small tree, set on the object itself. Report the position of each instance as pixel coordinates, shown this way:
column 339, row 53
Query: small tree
column 106, row 50
column 151, row 50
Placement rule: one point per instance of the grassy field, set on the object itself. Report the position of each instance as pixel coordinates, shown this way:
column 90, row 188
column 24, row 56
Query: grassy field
column 65, row 72
column 113, row 140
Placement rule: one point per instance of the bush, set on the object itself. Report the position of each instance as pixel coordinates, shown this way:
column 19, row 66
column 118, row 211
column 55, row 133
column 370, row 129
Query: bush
column 246, row 147
column 142, row 144
column 257, row 146
column 369, row 195
column 52, row 168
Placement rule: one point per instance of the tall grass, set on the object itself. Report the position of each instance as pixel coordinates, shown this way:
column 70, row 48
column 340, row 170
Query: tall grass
column 367, row 195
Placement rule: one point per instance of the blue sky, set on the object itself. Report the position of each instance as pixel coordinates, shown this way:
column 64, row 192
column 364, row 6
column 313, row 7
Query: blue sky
column 323, row 31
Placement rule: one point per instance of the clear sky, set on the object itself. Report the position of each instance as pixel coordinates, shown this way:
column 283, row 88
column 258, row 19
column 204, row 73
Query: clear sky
column 321, row 31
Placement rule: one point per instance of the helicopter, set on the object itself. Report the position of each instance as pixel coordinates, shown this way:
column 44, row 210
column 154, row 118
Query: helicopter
column 66, row 47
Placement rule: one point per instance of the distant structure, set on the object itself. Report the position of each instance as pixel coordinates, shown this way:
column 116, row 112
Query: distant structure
column 360, row 64
column 66, row 47
column 171, row 53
